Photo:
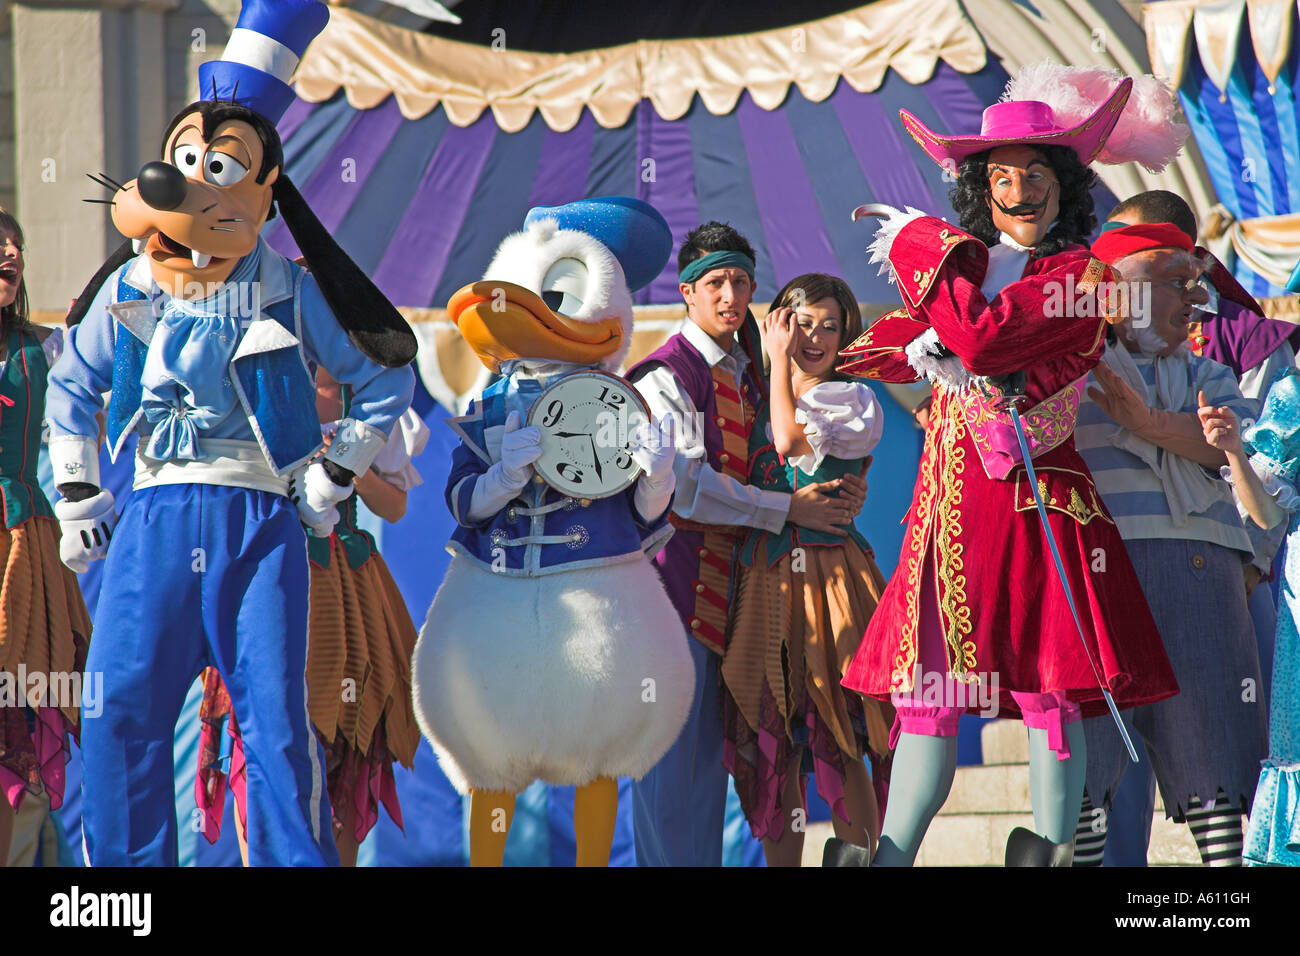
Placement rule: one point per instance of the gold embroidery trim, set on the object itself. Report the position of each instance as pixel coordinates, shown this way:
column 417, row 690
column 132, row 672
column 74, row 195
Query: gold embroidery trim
column 1081, row 510
column 943, row 454
column 954, row 612
column 924, row 279
column 917, row 546
column 1091, row 276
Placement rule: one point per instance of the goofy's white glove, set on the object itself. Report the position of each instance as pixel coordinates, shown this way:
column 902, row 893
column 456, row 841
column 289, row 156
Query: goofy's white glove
column 495, row 488
column 87, row 527
column 315, row 493
column 653, row 446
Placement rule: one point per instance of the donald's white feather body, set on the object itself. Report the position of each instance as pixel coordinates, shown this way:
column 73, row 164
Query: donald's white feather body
column 563, row 677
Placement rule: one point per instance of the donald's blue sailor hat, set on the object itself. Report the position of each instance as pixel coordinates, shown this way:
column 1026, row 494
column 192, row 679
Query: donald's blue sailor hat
column 630, row 228
column 264, row 49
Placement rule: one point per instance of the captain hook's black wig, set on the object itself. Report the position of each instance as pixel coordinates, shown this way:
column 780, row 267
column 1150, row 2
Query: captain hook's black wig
column 1074, row 224
column 371, row 321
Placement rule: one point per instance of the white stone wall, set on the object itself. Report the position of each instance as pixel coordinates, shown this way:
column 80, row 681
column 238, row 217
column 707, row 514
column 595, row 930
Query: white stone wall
column 89, row 87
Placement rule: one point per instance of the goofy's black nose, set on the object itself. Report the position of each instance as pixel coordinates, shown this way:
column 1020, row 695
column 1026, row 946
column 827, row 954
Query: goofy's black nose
column 161, row 185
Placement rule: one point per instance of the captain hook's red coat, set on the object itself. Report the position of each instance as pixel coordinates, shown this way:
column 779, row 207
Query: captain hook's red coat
column 973, row 523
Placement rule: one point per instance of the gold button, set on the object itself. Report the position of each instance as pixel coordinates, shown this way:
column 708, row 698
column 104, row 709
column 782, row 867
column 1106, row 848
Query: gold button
column 538, row 479
column 699, row 589
column 1198, row 562
column 704, row 552
column 585, row 502
column 695, row 624
column 721, row 421
column 717, row 385
column 724, row 458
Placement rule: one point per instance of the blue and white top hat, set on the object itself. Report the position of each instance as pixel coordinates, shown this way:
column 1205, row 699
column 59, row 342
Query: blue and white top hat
column 630, row 228
column 264, row 49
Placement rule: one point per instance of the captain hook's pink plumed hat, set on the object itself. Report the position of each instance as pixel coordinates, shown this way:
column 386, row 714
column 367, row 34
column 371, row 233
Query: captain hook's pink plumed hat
column 1101, row 114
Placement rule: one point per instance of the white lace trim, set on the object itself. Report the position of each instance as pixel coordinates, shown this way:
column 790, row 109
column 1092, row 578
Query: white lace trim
column 924, row 355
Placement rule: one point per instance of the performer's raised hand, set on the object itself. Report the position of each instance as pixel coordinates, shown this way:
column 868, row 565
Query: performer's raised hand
column 86, row 527
column 1220, row 426
column 1120, row 400
column 781, row 333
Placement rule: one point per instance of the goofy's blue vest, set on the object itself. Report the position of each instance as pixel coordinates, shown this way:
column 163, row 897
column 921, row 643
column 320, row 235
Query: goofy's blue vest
column 269, row 371
column 540, row 531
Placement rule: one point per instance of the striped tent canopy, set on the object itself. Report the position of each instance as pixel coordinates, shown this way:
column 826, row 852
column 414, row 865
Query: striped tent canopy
column 1234, row 65
column 431, row 201
column 422, row 201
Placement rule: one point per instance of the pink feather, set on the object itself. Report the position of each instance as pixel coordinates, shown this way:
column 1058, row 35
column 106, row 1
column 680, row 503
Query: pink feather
column 1148, row 131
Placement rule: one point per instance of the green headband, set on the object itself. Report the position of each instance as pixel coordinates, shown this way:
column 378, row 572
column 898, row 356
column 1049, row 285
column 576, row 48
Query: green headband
column 721, row 259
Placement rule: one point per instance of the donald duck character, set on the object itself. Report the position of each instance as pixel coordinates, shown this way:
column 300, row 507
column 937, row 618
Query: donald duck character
column 551, row 650
column 206, row 341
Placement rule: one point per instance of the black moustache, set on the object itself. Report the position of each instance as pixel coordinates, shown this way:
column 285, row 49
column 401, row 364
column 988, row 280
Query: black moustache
column 1024, row 207
column 1021, row 208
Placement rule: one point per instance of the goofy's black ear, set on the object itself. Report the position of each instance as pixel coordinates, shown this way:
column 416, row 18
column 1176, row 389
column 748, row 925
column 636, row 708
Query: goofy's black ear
column 365, row 313
column 115, row 261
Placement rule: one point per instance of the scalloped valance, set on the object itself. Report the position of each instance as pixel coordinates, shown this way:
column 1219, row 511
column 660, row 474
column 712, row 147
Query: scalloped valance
column 1213, row 27
column 372, row 60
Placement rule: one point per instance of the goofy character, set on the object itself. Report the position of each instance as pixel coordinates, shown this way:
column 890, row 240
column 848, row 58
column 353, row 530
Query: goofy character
column 206, row 342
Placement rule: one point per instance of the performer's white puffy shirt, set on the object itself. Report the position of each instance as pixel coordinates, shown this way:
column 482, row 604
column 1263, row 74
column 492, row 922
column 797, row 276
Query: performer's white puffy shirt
column 393, row 463
column 840, row 419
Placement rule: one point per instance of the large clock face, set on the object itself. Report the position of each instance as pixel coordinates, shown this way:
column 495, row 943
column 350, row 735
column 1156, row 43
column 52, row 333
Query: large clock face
column 587, row 420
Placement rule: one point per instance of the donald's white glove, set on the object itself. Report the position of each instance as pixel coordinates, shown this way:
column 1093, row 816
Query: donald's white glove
column 653, row 446
column 520, row 447
column 494, row 489
column 316, row 494
column 87, row 527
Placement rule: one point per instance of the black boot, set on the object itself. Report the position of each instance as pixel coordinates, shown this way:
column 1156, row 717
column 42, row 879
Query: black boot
column 842, row 853
column 1027, row 848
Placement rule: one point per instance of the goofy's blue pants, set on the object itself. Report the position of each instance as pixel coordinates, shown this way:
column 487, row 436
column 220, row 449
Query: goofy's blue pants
column 202, row 575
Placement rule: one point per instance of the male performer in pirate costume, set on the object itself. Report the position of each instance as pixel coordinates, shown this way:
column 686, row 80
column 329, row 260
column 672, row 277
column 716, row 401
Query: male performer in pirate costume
column 1007, row 304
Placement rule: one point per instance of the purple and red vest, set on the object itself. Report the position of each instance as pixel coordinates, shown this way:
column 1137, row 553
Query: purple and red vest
column 698, row 564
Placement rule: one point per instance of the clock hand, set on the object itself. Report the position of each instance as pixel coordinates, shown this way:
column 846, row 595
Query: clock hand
column 596, row 458
column 570, row 435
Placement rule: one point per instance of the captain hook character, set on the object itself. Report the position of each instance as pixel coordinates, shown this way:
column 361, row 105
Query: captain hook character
column 551, row 650
column 206, row 341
